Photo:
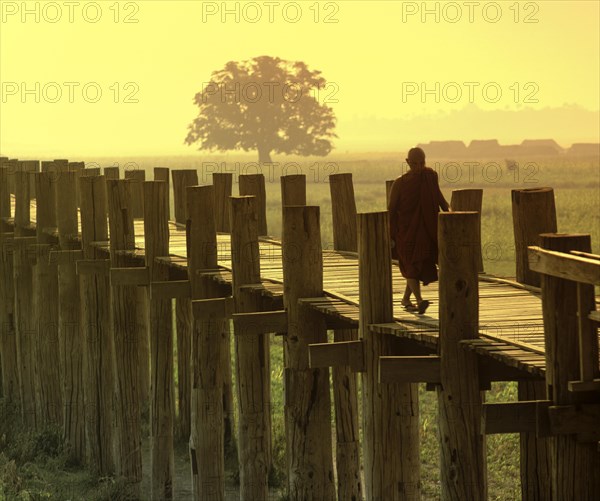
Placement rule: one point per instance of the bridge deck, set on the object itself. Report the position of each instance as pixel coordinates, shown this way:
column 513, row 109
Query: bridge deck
column 510, row 315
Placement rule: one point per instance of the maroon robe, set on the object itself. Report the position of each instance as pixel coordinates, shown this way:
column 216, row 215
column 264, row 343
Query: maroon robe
column 415, row 199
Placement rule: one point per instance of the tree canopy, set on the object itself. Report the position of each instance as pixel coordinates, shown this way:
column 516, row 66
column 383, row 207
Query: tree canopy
column 265, row 104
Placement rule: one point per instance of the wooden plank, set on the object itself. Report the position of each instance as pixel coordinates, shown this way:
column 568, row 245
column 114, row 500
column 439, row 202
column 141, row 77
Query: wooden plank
column 424, row 369
column 562, row 265
column 64, row 257
column 260, row 323
column 204, row 309
column 571, row 419
column 178, row 289
column 129, row 276
column 593, row 385
column 510, row 417
column 93, row 267
column 342, row 353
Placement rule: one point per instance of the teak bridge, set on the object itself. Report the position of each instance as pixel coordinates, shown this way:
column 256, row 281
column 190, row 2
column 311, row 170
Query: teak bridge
column 89, row 327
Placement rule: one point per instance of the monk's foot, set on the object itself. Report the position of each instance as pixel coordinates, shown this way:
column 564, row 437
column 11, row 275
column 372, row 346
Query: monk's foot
column 408, row 306
column 423, row 305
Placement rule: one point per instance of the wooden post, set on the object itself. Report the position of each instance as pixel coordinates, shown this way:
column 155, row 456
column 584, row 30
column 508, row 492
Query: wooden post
column 207, row 427
column 22, row 203
column 137, row 177
column 253, row 374
column 307, row 401
column 536, row 453
column 293, row 189
column 46, row 303
column 388, row 191
column 343, row 211
column 575, row 465
column 97, row 332
column 390, row 411
column 183, row 311
column 162, row 174
column 254, row 185
column 111, row 173
column 126, row 335
column 222, row 183
column 470, row 200
column 533, row 212
column 70, row 332
column 156, row 233
column 8, row 339
column 25, row 325
column 463, row 460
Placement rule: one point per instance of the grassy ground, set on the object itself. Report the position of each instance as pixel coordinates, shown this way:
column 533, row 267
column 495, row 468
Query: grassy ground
column 34, row 466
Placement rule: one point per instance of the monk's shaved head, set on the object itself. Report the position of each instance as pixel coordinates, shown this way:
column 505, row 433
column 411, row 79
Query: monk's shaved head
column 416, row 157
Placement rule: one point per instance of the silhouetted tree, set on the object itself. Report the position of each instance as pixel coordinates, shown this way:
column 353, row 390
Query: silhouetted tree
column 265, row 104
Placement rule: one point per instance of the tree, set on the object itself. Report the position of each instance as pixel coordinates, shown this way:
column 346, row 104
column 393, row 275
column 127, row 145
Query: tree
column 265, row 104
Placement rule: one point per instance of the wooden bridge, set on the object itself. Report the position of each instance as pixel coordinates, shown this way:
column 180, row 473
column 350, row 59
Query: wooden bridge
column 103, row 309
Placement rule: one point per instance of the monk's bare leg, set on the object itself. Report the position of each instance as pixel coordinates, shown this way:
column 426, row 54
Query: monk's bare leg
column 406, row 297
column 415, row 287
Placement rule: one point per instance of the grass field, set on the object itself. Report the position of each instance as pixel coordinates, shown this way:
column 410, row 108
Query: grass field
column 33, row 465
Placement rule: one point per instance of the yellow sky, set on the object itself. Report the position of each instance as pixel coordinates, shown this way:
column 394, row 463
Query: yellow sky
column 371, row 54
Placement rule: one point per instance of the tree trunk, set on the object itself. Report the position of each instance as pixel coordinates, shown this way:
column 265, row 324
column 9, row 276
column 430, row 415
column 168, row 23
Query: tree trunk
column 264, row 154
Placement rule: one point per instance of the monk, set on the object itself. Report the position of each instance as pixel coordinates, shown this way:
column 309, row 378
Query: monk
column 415, row 200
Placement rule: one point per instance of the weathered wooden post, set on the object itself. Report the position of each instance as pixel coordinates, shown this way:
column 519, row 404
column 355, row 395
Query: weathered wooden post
column 470, row 200
column 307, row 401
column 575, row 465
column 137, row 177
column 207, row 426
column 293, row 189
column 127, row 341
column 162, row 174
column 70, row 331
column 8, row 339
column 111, row 173
column 533, row 212
column 183, row 310
column 254, row 185
column 343, row 212
column 94, row 285
column 390, row 411
column 156, row 233
column 46, row 303
column 388, row 191
column 253, row 368
column 463, row 460
column 24, row 299
column 222, row 181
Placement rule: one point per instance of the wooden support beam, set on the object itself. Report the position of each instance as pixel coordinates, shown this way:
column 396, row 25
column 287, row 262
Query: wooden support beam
column 252, row 355
column 93, row 267
column 205, row 309
column 170, row 289
column 162, row 409
column 593, row 385
column 459, row 395
column 510, row 417
column 96, row 329
column 341, row 353
column 561, row 331
column 575, row 420
column 562, row 265
column 129, row 276
column 65, row 257
column 391, row 472
column 263, row 322
column 126, row 332
column 343, row 211
column 394, row 369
